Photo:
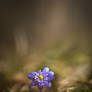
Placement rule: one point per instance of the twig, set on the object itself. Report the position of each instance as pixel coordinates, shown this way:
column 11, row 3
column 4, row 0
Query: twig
column 67, row 89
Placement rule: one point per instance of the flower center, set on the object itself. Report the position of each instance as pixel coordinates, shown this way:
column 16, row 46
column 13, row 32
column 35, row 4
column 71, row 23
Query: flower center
column 40, row 77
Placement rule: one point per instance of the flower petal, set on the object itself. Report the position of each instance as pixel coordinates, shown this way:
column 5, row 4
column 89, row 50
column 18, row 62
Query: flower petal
column 31, row 75
column 49, row 84
column 41, row 84
column 32, row 84
column 46, row 83
column 50, row 76
column 52, row 73
column 46, row 69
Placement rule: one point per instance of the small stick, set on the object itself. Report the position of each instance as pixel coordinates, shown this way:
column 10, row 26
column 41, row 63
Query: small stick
column 40, row 90
column 67, row 89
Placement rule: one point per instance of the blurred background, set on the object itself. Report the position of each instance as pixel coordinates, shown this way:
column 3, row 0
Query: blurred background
column 38, row 33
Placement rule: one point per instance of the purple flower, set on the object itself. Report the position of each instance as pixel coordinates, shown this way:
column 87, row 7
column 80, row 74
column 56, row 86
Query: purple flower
column 41, row 78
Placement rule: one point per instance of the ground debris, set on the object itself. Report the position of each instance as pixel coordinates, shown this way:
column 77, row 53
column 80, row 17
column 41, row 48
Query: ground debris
column 77, row 87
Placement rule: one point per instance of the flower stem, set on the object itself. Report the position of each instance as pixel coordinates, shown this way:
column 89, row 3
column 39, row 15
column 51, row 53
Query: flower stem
column 40, row 90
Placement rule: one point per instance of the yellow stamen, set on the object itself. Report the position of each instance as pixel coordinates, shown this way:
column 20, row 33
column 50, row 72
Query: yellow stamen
column 40, row 77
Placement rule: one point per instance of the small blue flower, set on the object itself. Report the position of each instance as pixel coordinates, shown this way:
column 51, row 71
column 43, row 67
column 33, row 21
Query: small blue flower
column 41, row 78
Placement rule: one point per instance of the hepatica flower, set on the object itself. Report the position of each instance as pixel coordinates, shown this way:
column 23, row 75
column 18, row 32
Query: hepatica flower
column 41, row 78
